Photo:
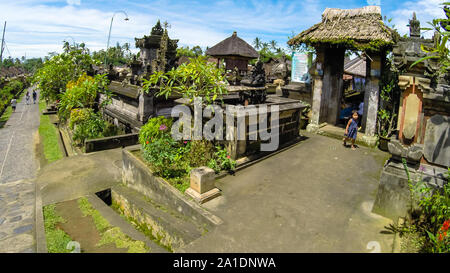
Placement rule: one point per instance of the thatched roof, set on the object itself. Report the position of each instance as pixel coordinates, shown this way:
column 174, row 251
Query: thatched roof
column 360, row 29
column 356, row 67
column 233, row 46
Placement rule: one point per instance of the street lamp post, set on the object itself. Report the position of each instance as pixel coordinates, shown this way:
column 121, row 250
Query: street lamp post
column 110, row 27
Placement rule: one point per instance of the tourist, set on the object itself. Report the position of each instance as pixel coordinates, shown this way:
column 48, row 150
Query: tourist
column 351, row 130
column 28, row 97
column 13, row 104
column 34, row 96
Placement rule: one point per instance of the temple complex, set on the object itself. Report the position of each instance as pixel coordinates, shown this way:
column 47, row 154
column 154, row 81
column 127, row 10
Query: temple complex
column 130, row 107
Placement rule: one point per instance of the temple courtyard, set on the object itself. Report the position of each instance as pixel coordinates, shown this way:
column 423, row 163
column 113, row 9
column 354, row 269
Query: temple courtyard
column 315, row 196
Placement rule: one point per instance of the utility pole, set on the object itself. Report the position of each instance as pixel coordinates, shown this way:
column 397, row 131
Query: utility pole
column 2, row 48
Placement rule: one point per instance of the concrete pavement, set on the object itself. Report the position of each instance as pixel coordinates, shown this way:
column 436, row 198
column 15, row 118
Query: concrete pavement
column 314, row 197
column 18, row 168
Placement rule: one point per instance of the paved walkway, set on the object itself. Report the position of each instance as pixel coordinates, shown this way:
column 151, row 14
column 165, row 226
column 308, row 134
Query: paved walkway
column 18, row 169
column 314, row 197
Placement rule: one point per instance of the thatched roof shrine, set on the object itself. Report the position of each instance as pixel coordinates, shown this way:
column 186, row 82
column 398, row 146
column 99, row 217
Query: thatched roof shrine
column 357, row 29
column 233, row 46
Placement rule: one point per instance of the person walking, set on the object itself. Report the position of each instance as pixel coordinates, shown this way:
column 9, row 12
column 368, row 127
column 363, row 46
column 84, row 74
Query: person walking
column 28, row 97
column 351, row 130
column 13, row 104
column 34, row 96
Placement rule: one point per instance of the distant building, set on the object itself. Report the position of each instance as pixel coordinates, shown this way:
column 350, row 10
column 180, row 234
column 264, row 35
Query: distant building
column 354, row 74
column 235, row 52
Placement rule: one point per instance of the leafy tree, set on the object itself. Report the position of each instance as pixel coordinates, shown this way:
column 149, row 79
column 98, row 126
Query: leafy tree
column 198, row 78
column 33, row 64
column 58, row 70
column 196, row 51
column 273, row 45
column 440, row 52
column 116, row 55
column 257, row 43
column 81, row 94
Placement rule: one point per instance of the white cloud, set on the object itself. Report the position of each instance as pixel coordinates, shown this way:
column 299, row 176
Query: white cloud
column 74, row 2
column 36, row 27
column 373, row 2
column 426, row 11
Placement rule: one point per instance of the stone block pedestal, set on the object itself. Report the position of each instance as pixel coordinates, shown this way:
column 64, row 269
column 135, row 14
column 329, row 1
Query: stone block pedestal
column 370, row 141
column 202, row 187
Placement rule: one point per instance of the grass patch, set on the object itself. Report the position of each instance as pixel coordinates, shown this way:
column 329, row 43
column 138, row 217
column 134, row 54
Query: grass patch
column 143, row 228
column 49, row 135
column 180, row 183
column 6, row 115
column 57, row 239
column 108, row 233
column 411, row 241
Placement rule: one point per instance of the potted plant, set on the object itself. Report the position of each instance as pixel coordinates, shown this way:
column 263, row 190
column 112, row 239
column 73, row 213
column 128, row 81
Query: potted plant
column 386, row 116
column 385, row 126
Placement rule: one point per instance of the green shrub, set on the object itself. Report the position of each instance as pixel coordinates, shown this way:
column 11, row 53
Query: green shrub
column 166, row 156
column 173, row 160
column 92, row 127
column 222, row 160
column 78, row 116
column 9, row 91
column 201, row 153
column 151, row 130
column 81, row 94
column 430, row 214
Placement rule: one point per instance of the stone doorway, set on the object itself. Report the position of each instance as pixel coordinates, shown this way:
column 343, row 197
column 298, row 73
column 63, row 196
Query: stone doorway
column 354, row 29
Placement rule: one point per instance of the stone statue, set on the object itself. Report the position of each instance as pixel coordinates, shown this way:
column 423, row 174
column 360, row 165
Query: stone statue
column 258, row 77
column 414, row 26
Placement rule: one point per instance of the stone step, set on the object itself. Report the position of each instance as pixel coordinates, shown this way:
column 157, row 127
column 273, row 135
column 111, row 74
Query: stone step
column 115, row 220
column 168, row 227
column 338, row 133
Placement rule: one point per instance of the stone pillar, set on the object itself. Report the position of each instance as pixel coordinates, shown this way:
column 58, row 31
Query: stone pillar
column 371, row 97
column 317, row 84
column 146, row 107
column 202, row 187
column 333, row 85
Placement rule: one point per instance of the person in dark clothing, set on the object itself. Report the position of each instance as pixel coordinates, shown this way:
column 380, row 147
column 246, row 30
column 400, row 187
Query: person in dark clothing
column 34, row 96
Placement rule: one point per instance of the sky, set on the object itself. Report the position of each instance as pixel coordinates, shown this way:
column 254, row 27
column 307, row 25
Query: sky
column 36, row 27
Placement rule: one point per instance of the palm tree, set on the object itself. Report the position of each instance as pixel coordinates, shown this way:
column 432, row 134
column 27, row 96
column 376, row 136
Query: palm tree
column 273, row 44
column 257, row 43
column 265, row 46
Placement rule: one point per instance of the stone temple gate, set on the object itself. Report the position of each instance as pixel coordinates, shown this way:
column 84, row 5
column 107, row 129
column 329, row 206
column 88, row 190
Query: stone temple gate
column 355, row 29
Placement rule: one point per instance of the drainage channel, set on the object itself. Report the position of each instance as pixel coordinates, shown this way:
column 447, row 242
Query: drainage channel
column 168, row 229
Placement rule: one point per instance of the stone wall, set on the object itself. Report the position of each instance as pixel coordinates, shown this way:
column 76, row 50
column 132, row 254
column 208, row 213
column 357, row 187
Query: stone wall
column 137, row 176
column 106, row 143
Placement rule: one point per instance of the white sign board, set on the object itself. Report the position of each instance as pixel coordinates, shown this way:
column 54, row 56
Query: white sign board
column 299, row 72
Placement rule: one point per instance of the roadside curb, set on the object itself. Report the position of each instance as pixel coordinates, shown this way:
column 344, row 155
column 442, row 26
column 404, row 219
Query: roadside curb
column 41, row 240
